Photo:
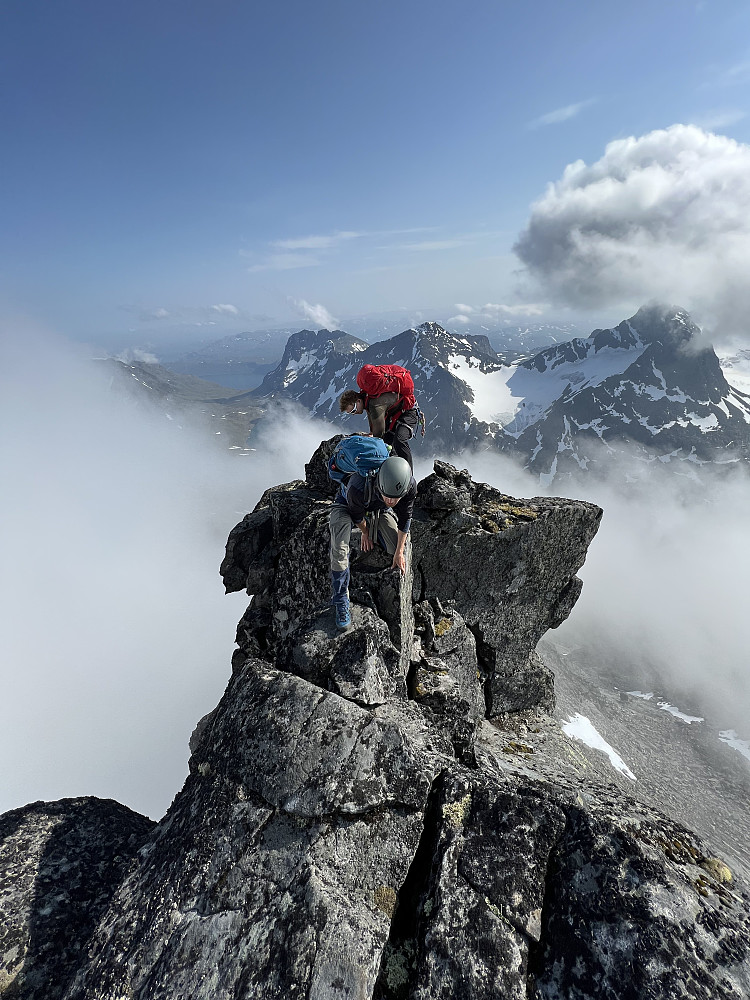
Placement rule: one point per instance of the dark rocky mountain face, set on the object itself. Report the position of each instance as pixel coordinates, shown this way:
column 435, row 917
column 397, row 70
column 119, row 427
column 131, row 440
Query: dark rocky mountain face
column 670, row 402
column 389, row 811
column 641, row 387
column 309, row 358
column 315, row 375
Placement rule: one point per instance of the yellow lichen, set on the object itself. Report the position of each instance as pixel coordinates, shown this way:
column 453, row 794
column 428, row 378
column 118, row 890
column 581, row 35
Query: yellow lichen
column 526, row 512
column 385, row 899
column 443, row 626
column 514, row 747
column 454, row 813
column 717, row 869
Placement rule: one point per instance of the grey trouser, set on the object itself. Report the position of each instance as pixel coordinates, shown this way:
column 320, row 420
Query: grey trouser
column 341, row 524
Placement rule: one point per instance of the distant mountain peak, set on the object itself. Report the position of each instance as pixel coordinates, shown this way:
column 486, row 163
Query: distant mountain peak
column 669, row 324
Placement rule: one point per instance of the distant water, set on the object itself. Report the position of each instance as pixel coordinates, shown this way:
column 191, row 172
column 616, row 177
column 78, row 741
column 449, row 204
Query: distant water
column 240, row 375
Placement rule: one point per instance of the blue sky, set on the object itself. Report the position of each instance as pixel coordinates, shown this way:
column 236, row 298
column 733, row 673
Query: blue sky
column 168, row 164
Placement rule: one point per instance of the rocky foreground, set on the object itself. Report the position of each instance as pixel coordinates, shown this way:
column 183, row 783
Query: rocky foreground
column 388, row 812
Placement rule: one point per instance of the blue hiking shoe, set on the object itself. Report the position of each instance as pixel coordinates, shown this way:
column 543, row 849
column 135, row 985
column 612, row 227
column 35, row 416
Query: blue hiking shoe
column 342, row 614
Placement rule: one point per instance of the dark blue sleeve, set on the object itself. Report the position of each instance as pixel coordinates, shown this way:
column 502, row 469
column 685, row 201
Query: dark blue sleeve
column 405, row 507
column 355, row 498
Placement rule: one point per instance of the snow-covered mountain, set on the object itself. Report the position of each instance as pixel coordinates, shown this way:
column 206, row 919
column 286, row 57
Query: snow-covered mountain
column 316, row 368
column 309, row 358
column 646, row 385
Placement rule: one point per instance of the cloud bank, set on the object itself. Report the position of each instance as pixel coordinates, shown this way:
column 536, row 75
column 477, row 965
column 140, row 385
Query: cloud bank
column 665, row 216
column 117, row 635
column 494, row 312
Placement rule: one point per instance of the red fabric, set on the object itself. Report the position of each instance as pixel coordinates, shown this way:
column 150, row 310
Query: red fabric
column 374, row 380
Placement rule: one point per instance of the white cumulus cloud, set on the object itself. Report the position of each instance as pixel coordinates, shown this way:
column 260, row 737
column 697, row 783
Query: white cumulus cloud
column 318, row 314
column 226, row 308
column 666, row 215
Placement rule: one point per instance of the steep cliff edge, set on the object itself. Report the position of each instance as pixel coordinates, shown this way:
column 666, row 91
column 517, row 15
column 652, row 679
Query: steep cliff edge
column 389, row 812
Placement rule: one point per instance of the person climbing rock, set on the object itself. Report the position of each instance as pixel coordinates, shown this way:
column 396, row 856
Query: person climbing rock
column 386, row 395
column 381, row 506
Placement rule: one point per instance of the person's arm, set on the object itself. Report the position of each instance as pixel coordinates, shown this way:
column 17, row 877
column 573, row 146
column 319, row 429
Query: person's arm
column 399, row 556
column 404, row 510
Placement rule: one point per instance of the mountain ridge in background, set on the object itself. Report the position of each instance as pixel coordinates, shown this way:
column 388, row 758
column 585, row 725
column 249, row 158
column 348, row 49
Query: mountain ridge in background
column 640, row 387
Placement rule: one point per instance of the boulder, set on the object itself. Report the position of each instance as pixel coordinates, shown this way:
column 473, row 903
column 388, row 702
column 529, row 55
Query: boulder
column 60, row 865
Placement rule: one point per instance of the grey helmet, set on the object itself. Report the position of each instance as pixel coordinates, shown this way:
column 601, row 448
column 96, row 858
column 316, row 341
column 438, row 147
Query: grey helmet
column 394, row 477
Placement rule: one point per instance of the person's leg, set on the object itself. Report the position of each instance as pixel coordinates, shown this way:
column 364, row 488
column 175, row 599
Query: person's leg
column 399, row 437
column 340, row 524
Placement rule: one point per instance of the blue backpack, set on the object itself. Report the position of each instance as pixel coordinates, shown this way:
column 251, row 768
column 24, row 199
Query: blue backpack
column 359, row 454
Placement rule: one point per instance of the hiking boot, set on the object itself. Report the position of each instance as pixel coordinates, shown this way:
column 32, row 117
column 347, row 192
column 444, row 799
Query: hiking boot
column 342, row 614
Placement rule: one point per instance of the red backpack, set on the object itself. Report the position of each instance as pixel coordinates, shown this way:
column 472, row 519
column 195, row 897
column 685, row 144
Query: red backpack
column 374, row 380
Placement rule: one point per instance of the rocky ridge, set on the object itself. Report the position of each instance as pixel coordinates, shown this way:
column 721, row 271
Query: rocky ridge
column 390, row 812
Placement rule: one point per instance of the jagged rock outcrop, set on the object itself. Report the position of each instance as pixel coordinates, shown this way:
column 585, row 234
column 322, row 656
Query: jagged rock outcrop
column 354, row 826
column 60, row 864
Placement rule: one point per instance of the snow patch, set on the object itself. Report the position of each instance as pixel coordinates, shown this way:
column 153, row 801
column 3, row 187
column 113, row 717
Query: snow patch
column 730, row 737
column 581, row 728
column 666, row 707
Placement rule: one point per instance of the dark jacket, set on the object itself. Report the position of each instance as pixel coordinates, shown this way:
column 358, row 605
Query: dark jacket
column 352, row 496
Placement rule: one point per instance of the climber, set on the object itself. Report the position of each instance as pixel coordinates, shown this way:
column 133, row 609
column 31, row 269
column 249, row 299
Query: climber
column 381, row 506
column 386, row 395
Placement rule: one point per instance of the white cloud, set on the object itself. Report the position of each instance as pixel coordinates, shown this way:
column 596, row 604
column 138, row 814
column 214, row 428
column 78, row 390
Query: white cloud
column 226, row 308
column 317, row 313
column 113, row 522
column 491, row 309
column 316, row 242
column 666, row 215
column 492, row 312
column 136, row 354
column 561, row 114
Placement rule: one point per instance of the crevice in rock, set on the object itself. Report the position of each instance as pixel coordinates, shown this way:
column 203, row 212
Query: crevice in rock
column 486, row 663
column 487, row 689
column 411, row 681
column 400, row 960
column 537, row 949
